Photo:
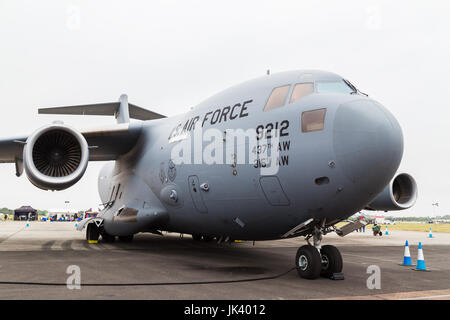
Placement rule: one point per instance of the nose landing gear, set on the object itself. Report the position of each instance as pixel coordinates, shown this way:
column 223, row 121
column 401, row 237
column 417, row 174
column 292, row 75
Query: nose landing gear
column 313, row 261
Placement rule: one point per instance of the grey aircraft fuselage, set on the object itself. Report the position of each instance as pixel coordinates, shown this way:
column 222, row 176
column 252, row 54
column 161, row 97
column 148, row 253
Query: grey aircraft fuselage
column 328, row 174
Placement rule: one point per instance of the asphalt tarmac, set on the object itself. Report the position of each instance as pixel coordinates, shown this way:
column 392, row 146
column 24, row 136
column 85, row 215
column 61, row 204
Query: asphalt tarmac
column 175, row 267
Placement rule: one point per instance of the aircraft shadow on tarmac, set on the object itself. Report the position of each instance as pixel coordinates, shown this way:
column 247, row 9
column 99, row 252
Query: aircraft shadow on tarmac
column 224, row 258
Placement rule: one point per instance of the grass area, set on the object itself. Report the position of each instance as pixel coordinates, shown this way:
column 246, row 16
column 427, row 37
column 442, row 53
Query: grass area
column 405, row 226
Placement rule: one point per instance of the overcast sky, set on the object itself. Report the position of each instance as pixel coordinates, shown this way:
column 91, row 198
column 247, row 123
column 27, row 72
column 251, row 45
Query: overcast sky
column 170, row 55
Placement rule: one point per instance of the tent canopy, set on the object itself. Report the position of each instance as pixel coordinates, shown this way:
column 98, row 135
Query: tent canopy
column 25, row 209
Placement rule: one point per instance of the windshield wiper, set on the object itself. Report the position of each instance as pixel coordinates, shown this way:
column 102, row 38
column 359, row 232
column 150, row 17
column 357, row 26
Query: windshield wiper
column 355, row 91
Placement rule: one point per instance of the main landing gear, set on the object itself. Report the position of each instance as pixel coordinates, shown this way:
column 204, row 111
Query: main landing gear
column 313, row 261
column 93, row 233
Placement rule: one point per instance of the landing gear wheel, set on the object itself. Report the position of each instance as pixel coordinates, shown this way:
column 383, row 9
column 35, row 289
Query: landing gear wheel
column 92, row 232
column 126, row 238
column 331, row 261
column 196, row 237
column 308, row 262
column 108, row 238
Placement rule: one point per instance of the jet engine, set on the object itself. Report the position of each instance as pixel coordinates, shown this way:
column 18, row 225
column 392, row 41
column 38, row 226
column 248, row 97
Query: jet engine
column 399, row 194
column 55, row 157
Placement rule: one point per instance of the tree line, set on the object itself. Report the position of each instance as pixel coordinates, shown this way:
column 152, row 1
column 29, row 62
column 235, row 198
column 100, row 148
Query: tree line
column 8, row 211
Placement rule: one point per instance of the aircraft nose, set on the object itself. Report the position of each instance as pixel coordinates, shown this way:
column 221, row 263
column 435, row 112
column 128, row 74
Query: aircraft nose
column 368, row 143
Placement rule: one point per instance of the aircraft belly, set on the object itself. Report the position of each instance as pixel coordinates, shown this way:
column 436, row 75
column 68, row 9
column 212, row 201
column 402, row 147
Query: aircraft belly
column 255, row 222
column 237, row 208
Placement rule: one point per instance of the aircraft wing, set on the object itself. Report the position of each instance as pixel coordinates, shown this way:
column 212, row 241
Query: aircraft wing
column 105, row 143
column 108, row 143
column 11, row 148
column 55, row 156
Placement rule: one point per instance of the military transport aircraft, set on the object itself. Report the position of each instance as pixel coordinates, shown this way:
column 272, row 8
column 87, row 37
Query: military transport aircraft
column 284, row 155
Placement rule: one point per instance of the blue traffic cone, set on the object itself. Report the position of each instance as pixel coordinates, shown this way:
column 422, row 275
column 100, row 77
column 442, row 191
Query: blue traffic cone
column 430, row 235
column 420, row 259
column 407, row 256
column 386, row 233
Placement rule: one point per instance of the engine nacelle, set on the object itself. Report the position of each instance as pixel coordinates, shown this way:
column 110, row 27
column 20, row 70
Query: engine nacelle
column 399, row 194
column 55, row 157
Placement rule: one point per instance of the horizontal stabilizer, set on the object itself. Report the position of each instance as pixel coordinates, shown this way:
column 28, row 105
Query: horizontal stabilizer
column 122, row 110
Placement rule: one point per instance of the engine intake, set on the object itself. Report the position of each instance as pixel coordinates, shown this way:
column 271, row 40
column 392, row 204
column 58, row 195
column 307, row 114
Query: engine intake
column 399, row 194
column 55, row 157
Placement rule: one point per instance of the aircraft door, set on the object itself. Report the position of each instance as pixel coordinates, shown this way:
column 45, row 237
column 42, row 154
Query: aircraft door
column 195, row 191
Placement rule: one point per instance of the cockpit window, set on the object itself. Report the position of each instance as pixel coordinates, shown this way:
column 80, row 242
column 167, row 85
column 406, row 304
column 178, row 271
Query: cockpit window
column 277, row 98
column 333, row 87
column 313, row 120
column 301, row 90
